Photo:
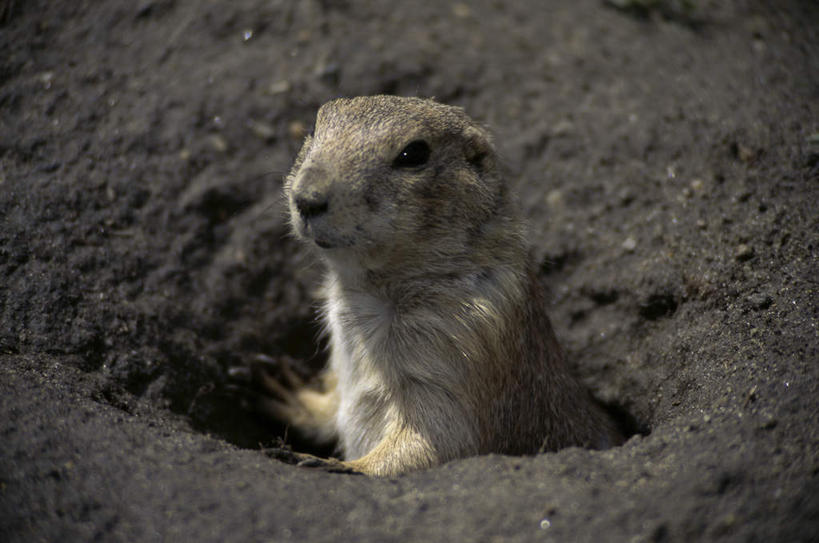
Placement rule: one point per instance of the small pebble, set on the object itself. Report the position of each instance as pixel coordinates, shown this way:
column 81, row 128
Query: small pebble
column 760, row 301
column 554, row 198
column 768, row 423
column 745, row 153
column 279, row 87
column 744, row 252
column 217, row 143
column 461, row 10
column 563, row 127
column 629, row 244
column 262, row 130
column 46, row 78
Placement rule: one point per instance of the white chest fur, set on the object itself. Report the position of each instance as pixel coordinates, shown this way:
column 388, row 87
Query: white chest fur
column 422, row 361
column 359, row 326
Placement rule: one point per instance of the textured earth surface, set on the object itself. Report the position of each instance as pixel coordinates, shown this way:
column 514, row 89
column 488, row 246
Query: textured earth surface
column 666, row 154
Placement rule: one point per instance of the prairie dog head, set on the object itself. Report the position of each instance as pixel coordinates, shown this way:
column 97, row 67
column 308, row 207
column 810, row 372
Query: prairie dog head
column 388, row 175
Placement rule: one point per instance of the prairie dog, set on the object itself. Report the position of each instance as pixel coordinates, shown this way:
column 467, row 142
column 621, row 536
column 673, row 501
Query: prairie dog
column 440, row 346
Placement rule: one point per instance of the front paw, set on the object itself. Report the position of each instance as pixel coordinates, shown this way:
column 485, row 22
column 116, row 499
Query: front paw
column 270, row 387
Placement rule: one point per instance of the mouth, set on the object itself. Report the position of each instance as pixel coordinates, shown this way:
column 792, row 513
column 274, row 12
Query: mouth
column 321, row 238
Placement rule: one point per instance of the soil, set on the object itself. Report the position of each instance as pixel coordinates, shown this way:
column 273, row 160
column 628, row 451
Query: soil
column 666, row 154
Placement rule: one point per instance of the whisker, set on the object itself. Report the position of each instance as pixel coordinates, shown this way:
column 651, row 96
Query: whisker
column 258, row 176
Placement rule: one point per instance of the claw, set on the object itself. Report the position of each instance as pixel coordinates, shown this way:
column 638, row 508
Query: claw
column 312, row 462
column 332, row 465
column 239, row 373
column 274, row 387
column 265, row 359
column 293, row 380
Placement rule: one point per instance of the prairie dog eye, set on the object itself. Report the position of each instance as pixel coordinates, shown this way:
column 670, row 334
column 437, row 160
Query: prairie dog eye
column 415, row 154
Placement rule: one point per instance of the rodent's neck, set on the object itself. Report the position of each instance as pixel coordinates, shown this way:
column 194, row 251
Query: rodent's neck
column 499, row 242
column 412, row 276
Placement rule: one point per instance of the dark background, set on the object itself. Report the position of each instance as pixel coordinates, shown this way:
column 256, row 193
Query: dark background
column 666, row 154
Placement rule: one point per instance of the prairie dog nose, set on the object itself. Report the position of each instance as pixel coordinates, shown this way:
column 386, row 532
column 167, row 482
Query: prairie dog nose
column 312, row 204
column 311, row 191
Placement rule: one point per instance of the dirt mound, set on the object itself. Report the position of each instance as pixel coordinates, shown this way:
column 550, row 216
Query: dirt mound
column 666, row 154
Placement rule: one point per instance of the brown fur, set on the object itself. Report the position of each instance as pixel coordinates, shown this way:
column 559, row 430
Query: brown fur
column 439, row 344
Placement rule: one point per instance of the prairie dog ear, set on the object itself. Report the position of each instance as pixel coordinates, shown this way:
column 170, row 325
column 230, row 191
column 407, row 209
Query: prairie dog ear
column 478, row 148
